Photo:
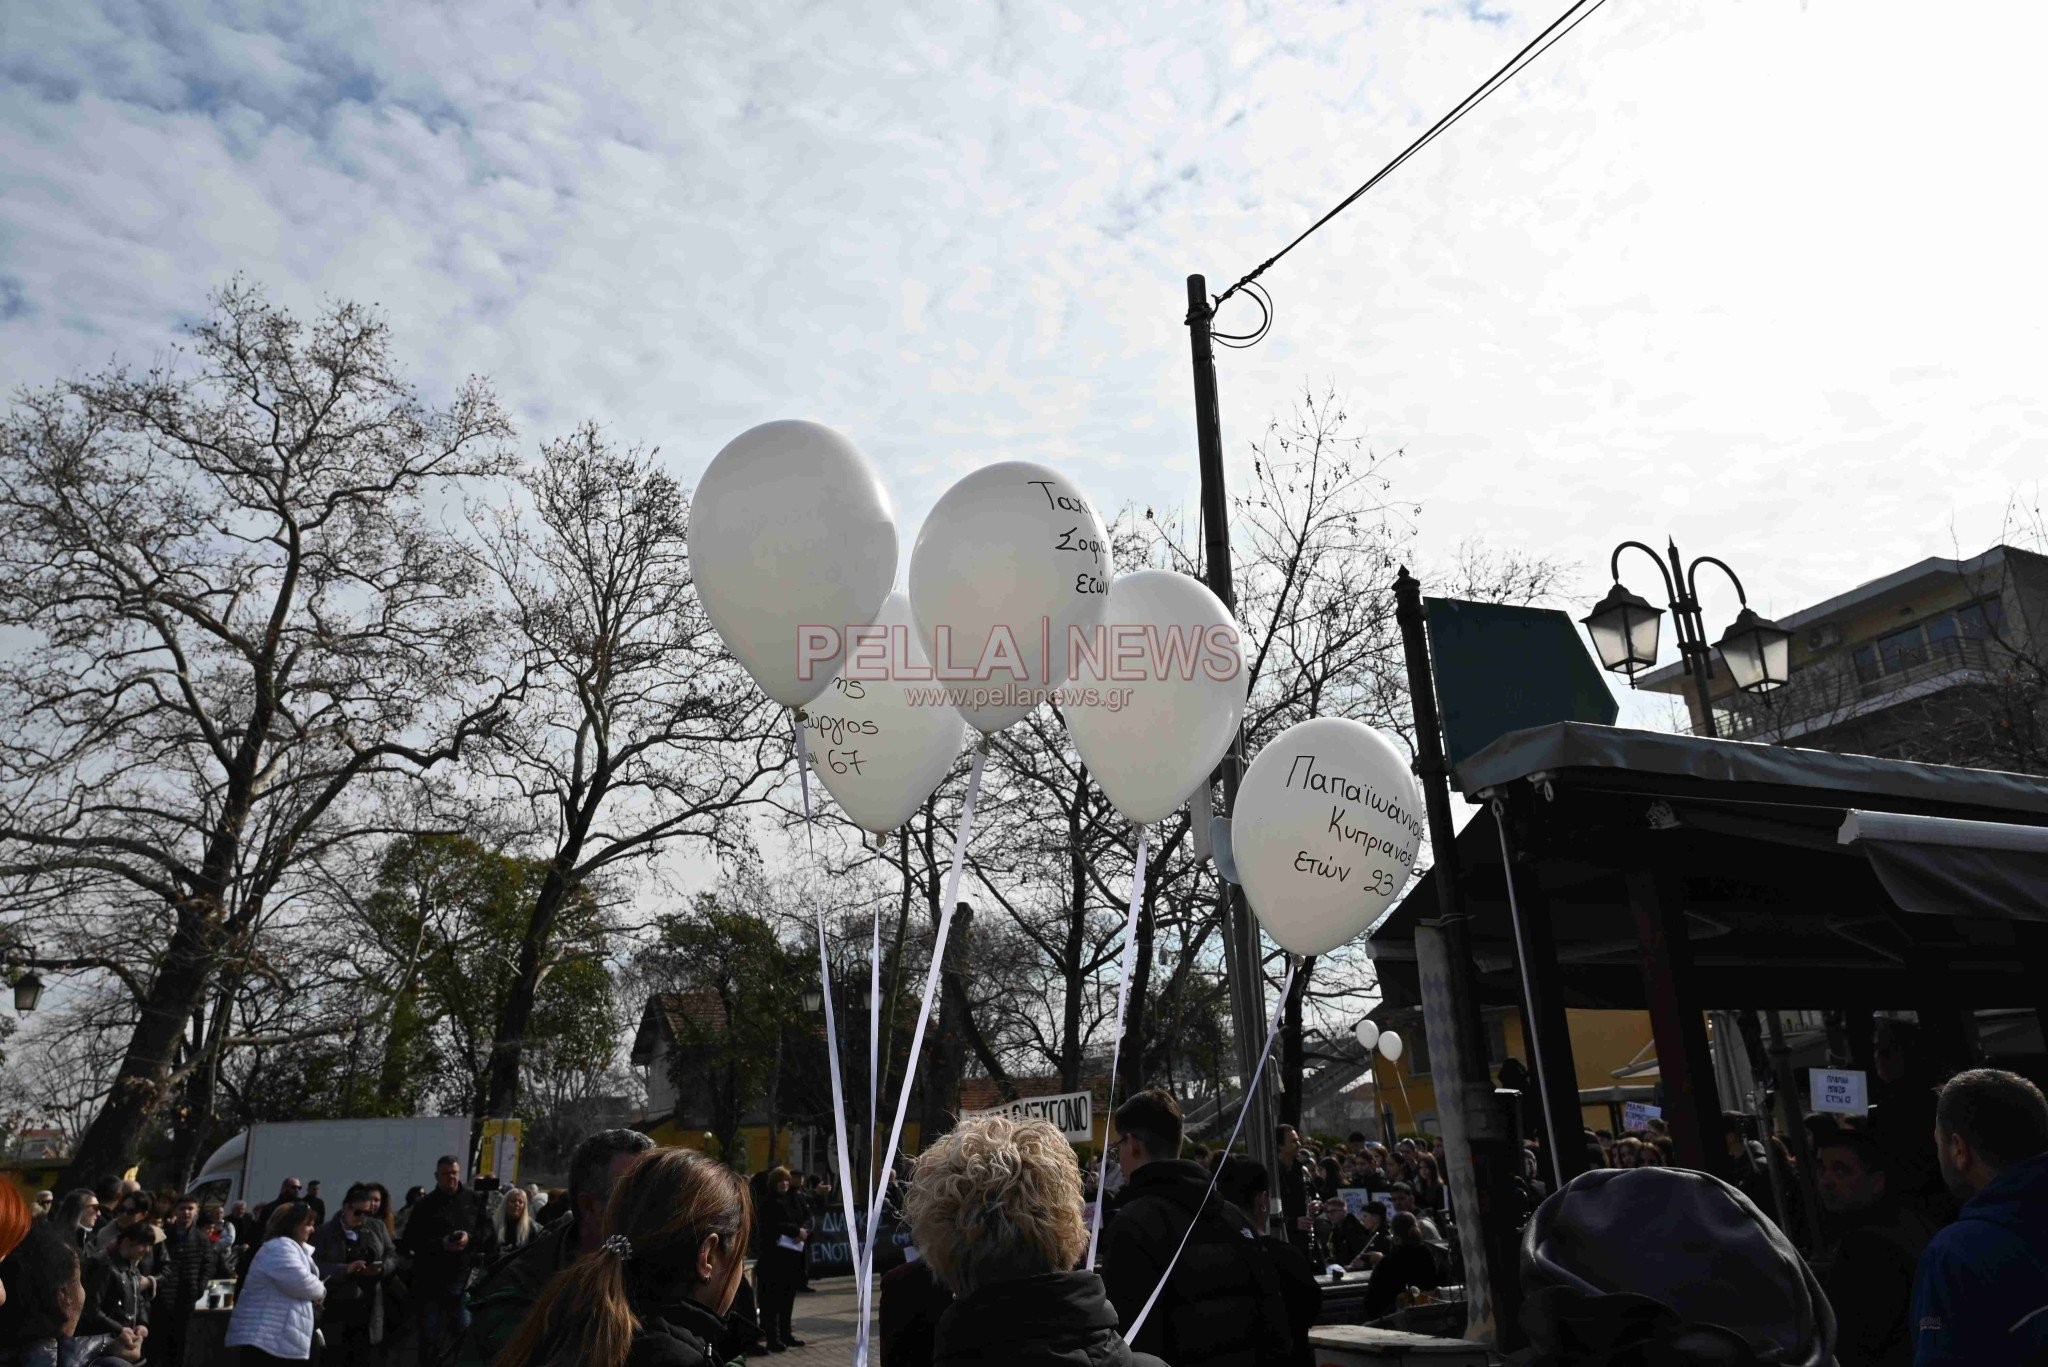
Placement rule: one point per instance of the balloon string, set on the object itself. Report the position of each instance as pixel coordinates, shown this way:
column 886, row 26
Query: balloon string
column 865, row 1268
column 803, row 776
column 803, row 762
column 1116, row 1041
column 1243, row 1110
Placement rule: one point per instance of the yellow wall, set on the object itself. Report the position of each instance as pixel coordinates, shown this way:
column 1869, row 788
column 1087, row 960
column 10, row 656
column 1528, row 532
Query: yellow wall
column 1602, row 1041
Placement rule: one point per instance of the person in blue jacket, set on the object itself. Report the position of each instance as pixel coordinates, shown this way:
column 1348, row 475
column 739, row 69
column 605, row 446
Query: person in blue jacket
column 1980, row 1295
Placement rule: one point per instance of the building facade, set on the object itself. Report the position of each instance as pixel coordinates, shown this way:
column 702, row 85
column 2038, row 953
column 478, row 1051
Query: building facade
column 1936, row 662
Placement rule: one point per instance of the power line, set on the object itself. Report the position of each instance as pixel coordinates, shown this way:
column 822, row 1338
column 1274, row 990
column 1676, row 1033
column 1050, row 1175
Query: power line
column 1535, row 48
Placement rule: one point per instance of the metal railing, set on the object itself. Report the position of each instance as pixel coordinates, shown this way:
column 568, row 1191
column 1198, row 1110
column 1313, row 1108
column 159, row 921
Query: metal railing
column 1829, row 690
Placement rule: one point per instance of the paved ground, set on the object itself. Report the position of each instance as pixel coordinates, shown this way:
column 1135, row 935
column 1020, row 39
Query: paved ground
column 825, row 1319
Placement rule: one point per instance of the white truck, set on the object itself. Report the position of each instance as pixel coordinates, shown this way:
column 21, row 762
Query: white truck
column 398, row 1153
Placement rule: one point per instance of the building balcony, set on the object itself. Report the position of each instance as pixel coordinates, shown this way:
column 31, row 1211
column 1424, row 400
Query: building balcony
column 1835, row 690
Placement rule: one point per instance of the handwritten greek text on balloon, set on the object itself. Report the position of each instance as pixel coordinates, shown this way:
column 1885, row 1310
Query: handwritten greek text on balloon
column 1337, row 785
column 1325, row 832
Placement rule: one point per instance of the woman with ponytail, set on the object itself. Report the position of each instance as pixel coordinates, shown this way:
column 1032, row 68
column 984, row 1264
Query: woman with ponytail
column 655, row 1293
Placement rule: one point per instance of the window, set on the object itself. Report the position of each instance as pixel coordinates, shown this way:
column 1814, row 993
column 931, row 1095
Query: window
column 1981, row 621
column 1942, row 641
column 1901, row 650
column 1867, row 670
column 1415, row 1050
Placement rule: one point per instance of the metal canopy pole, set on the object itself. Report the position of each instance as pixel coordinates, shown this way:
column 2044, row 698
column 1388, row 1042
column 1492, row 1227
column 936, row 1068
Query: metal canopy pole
column 1241, row 960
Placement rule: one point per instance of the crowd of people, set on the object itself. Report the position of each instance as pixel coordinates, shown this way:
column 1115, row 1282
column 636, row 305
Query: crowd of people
column 642, row 1260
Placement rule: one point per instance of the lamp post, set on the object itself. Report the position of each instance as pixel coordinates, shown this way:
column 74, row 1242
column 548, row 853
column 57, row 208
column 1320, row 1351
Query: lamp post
column 28, row 985
column 1757, row 651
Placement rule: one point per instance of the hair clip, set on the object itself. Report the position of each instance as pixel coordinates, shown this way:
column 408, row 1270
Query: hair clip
column 619, row 1246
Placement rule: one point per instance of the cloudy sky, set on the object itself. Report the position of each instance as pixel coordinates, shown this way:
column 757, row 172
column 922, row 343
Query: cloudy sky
column 1760, row 274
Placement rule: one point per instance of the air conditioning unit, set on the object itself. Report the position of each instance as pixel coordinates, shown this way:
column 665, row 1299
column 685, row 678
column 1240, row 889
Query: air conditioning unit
column 1826, row 636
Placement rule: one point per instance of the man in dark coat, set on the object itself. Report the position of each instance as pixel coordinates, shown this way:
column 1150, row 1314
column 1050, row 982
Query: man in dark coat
column 195, row 1251
column 1867, row 1268
column 913, row 1300
column 1297, row 1186
column 509, row 1287
column 1221, row 1305
column 1980, row 1294
column 447, row 1235
column 1243, row 1183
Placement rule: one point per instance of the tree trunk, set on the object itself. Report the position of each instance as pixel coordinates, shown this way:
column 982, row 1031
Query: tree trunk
column 111, row 1143
column 944, row 1064
column 1071, row 953
column 1292, row 1062
column 1130, row 1079
column 509, row 1047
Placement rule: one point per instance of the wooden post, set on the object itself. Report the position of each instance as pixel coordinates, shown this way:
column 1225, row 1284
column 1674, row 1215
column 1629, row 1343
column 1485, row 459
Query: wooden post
column 1550, row 1044
column 1691, row 1103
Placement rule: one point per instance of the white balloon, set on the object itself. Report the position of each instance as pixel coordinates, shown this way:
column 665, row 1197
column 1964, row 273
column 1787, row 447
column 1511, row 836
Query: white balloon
column 875, row 742
column 1327, row 824
column 792, row 542
column 1008, row 561
column 1390, row 1046
column 1155, row 702
column 1368, row 1034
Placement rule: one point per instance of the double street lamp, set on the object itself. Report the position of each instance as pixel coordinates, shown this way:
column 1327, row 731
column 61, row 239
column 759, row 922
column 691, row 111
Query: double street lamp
column 1623, row 625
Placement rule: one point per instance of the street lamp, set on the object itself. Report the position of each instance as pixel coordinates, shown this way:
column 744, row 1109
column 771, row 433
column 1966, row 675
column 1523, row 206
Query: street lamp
column 28, row 992
column 1623, row 627
column 814, row 1000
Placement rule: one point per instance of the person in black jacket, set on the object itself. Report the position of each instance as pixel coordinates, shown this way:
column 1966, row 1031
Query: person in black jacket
column 1297, row 1187
column 445, row 1237
column 655, row 1292
column 1243, row 1183
column 913, row 1301
column 355, row 1255
column 1221, row 1305
column 196, row 1250
column 116, row 1295
column 785, row 1225
column 995, row 1208
column 1410, row 1264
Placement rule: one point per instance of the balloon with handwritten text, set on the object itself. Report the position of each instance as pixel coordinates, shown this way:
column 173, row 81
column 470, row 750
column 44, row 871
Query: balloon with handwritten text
column 1159, row 689
column 1327, row 826
column 791, row 537
column 878, row 742
column 1011, row 563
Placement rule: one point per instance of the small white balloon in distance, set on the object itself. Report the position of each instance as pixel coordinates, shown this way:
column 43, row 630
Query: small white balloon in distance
column 878, row 743
column 1008, row 562
column 1159, row 695
column 790, row 528
column 1327, row 826
column 1368, row 1034
column 1390, row 1046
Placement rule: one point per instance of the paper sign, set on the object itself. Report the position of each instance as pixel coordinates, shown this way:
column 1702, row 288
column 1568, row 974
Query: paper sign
column 794, row 1245
column 1845, row 1091
column 1355, row 1199
column 1637, row 1115
column 1071, row 1112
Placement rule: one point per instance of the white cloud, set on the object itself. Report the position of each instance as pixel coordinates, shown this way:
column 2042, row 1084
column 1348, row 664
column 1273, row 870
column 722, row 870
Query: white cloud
column 1759, row 276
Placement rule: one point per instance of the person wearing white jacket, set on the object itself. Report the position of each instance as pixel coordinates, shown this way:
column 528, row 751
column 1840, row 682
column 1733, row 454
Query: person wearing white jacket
column 273, row 1315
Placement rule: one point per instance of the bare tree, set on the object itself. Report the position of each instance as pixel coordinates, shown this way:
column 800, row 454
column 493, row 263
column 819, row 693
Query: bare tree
column 237, row 617
column 639, row 731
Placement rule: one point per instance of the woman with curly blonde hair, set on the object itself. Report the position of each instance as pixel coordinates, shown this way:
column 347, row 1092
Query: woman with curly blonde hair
column 995, row 1208
column 655, row 1293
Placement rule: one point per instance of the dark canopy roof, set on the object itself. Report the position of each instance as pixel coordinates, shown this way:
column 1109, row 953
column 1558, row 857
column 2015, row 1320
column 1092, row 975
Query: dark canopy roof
column 1780, row 910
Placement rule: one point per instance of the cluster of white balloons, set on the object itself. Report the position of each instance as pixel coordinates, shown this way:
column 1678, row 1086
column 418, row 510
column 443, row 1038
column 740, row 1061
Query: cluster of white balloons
column 1014, row 596
column 1387, row 1041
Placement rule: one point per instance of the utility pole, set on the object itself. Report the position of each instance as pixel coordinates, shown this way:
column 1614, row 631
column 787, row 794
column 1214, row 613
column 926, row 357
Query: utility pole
column 1241, row 958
